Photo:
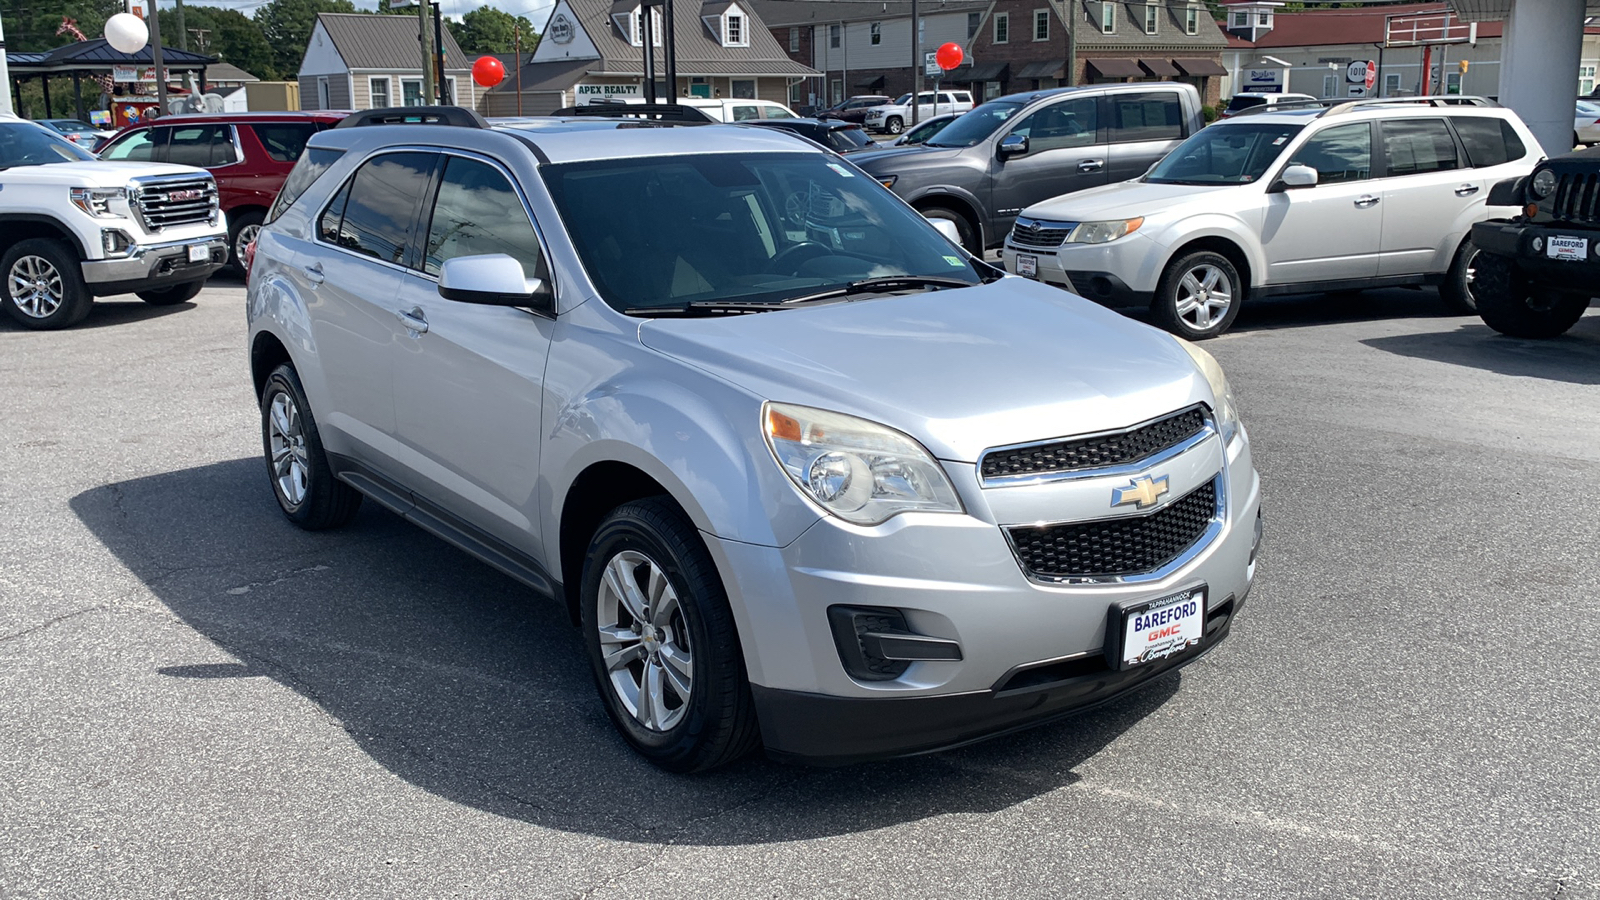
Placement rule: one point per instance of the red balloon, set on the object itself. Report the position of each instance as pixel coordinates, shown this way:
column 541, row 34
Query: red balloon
column 949, row 56
column 488, row 71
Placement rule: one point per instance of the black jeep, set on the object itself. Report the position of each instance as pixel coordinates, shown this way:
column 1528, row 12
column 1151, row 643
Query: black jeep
column 1538, row 271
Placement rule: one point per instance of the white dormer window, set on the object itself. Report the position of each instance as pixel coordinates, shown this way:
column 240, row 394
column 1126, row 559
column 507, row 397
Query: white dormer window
column 632, row 26
column 1108, row 17
column 1241, row 20
column 733, row 33
column 1152, row 15
column 1191, row 19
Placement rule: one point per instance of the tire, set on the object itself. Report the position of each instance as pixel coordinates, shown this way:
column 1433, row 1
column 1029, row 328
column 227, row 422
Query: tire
column 168, row 296
column 1457, row 288
column 894, row 124
column 1509, row 305
column 969, row 234
column 646, row 553
column 1199, row 296
column 44, row 286
column 242, row 231
column 297, row 468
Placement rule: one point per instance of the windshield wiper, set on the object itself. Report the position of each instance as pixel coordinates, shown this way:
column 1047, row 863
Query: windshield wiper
column 705, row 308
column 886, row 283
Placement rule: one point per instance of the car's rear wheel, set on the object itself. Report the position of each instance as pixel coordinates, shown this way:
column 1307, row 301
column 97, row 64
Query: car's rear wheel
column 662, row 641
column 1198, row 296
column 44, row 285
column 307, row 491
column 241, row 232
column 1509, row 305
column 1457, row 289
column 178, row 293
column 894, row 124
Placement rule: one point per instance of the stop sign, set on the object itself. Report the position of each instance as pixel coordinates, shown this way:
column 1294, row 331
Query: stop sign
column 1372, row 74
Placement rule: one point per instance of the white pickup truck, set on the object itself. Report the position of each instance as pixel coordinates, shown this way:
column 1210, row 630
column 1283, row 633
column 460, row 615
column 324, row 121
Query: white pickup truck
column 73, row 227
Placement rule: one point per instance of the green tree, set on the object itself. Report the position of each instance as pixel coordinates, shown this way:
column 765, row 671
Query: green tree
column 32, row 24
column 227, row 34
column 489, row 30
column 287, row 25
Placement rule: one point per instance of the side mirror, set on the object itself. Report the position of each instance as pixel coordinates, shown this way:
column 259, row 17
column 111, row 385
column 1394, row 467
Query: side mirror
column 493, row 279
column 1013, row 145
column 948, row 229
column 1295, row 176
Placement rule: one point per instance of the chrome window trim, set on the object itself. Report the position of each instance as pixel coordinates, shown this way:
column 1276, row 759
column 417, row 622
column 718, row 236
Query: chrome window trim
column 1207, row 429
column 316, row 221
column 527, row 210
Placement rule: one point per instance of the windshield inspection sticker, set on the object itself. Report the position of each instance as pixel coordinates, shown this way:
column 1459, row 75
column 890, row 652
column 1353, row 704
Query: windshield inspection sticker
column 954, row 261
column 841, row 170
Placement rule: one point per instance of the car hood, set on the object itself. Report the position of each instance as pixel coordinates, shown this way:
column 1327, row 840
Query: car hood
column 889, row 157
column 1124, row 200
column 960, row 370
column 98, row 172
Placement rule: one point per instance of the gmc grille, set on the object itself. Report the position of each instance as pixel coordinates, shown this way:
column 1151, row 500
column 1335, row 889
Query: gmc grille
column 1116, row 547
column 1577, row 199
column 1041, row 234
column 1100, row 451
column 184, row 200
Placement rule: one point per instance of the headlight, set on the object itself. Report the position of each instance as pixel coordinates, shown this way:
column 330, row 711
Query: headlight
column 1227, row 408
column 102, row 203
column 888, row 180
column 1544, row 181
column 1102, row 232
column 858, row 470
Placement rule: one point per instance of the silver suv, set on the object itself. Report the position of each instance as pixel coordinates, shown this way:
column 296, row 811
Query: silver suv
column 806, row 474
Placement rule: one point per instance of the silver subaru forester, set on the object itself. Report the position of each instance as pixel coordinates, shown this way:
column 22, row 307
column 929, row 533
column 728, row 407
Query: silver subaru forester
column 807, row 474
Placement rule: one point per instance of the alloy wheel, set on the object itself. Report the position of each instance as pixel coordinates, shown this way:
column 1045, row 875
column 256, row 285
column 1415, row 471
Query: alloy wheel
column 35, row 286
column 290, row 463
column 242, row 240
column 1471, row 270
column 644, row 641
column 1204, row 295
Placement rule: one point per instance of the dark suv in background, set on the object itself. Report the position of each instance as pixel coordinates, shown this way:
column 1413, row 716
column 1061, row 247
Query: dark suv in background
column 1017, row 150
column 249, row 154
column 854, row 109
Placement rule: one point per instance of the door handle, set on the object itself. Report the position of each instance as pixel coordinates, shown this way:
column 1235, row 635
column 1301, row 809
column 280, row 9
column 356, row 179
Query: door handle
column 1366, row 200
column 1091, row 165
column 413, row 319
column 1466, row 190
column 314, row 273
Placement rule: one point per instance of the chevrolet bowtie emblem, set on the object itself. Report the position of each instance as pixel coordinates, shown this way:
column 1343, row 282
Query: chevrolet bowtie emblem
column 1141, row 492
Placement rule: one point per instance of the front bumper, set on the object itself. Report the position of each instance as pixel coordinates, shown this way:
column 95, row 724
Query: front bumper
column 155, row 266
column 1515, row 240
column 1123, row 272
column 1030, row 651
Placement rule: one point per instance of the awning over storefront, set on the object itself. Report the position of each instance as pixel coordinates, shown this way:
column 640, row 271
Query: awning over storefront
column 871, row 86
column 990, row 71
column 1042, row 68
column 1157, row 67
column 1198, row 68
column 1114, row 68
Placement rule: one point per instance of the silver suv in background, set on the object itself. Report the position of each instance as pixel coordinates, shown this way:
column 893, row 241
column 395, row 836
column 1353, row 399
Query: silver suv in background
column 1362, row 194
column 807, row 474
column 896, row 117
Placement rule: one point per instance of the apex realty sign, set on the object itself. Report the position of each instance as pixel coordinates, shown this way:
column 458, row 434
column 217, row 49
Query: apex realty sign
column 586, row 94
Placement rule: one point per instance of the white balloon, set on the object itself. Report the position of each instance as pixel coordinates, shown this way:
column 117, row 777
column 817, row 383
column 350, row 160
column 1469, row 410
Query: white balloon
column 127, row 33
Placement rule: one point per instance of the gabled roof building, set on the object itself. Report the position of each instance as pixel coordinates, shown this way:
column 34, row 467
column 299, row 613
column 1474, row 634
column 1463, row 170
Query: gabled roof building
column 367, row 61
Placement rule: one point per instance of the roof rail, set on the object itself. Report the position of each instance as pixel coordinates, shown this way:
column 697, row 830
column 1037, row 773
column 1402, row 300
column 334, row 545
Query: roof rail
column 415, row 115
column 664, row 112
column 1264, row 108
column 1344, row 106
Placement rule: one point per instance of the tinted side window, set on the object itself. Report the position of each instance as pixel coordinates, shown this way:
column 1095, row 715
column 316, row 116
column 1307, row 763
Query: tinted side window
column 1342, row 153
column 1156, row 116
column 201, row 145
column 139, row 146
column 382, row 201
column 1489, row 141
column 284, row 141
column 478, row 212
column 1418, row 146
column 1069, row 123
column 304, row 174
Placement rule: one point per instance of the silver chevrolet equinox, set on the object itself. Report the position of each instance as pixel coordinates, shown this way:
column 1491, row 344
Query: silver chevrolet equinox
column 807, row 475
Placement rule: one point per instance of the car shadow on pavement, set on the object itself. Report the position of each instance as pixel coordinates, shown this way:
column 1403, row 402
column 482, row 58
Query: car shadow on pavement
column 112, row 313
column 462, row 682
column 1573, row 357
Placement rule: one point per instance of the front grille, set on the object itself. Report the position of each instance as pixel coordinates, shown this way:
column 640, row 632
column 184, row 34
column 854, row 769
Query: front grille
column 1577, row 199
column 1116, row 547
column 1041, row 234
column 1074, row 454
column 178, row 201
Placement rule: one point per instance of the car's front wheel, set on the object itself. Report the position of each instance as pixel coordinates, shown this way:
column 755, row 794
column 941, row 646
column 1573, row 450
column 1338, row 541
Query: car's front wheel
column 1198, row 296
column 304, row 484
column 1509, row 305
column 662, row 641
column 894, row 124
column 44, row 285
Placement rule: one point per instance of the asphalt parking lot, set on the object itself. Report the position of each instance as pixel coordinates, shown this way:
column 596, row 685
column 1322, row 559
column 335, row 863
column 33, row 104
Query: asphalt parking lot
column 198, row 700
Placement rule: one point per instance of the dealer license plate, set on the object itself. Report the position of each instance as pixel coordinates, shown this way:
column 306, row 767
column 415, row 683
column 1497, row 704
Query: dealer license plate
column 1027, row 266
column 1157, row 629
column 199, row 253
column 1563, row 247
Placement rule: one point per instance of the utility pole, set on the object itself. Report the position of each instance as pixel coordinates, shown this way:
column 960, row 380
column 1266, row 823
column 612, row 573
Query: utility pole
column 516, row 45
column 202, row 38
column 155, row 57
column 183, row 33
column 438, row 51
column 425, row 36
column 916, row 61
column 1073, row 11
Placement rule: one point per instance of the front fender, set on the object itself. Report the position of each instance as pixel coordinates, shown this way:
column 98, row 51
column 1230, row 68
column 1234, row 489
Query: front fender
column 1241, row 234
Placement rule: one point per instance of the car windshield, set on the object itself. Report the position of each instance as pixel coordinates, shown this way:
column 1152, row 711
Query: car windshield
column 926, row 130
column 1588, row 109
column 903, row 99
column 665, row 232
column 71, row 126
column 846, row 139
column 27, row 144
column 1240, row 102
column 977, row 125
column 1224, row 154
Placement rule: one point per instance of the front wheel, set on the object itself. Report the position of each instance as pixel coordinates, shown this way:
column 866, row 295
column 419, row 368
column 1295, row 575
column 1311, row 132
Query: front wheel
column 1509, row 305
column 895, row 124
column 1198, row 296
column 304, row 484
column 662, row 641
column 964, row 228
column 180, row 293
column 44, row 285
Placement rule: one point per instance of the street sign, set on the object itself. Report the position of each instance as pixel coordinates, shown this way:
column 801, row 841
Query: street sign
column 1357, row 90
column 1363, row 72
column 930, row 64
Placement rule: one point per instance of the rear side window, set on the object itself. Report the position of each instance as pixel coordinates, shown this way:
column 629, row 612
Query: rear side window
column 201, row 145
column 305, row 173
column 1418, row 146
column 284, row 141
column 373, row 214
column 139, row 146
column 1241, row 102
column 1156, row 116
column 478, row 212
column 1489, row 141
